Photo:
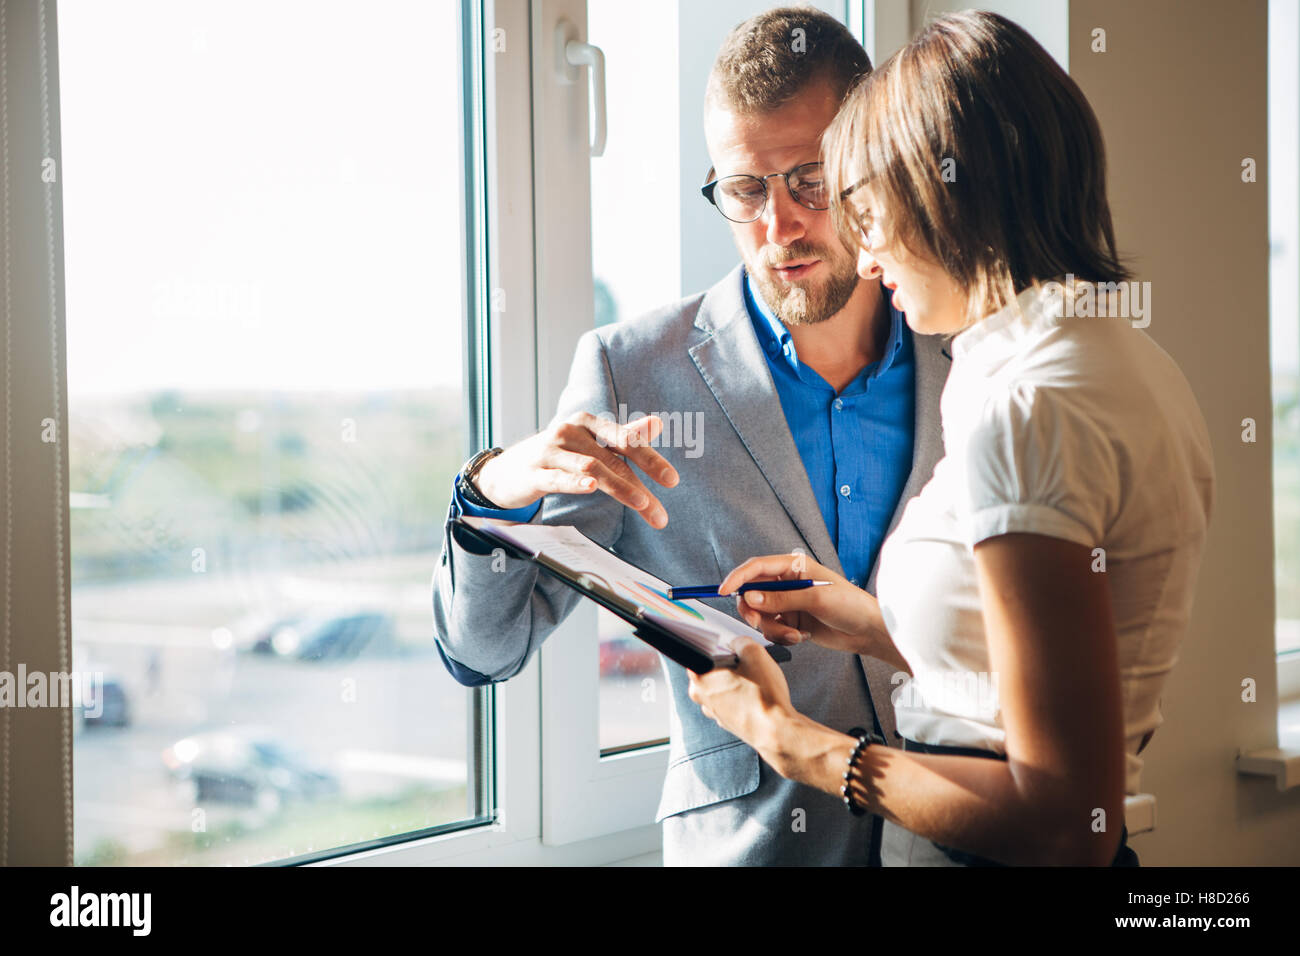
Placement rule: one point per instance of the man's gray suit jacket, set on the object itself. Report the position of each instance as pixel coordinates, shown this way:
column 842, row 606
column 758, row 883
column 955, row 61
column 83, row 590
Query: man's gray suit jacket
column 743, row 492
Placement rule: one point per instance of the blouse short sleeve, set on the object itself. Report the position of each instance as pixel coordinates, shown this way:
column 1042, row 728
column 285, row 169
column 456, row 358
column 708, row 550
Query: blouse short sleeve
column 1035, row 463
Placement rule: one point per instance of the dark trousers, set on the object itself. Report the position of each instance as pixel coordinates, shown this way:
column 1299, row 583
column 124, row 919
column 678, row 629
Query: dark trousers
column 1123, row 857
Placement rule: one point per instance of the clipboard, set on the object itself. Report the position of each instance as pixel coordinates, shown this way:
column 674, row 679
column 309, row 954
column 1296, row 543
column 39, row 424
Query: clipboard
column 591, row 586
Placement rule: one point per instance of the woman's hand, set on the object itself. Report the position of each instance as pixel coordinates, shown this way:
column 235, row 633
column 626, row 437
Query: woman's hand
column 839, row 616
column 751, row 700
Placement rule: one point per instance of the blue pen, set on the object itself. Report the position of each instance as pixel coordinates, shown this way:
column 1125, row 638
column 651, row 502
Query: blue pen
column 711, row 590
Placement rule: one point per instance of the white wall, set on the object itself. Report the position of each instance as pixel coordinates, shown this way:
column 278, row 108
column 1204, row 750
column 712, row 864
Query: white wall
column 1181, row 94
column 1200, row 235
column 1047, row 20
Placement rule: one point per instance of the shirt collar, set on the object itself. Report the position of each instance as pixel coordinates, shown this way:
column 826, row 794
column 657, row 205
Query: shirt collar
column 999, row 334
column 775, row 338
column 772, row 333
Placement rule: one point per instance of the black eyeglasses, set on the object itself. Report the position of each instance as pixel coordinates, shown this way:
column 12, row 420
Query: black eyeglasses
column 743, row 198
column 868, row 227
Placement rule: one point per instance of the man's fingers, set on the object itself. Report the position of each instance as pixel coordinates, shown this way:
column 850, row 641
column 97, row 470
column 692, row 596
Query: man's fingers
column 641, row 430
column 557, row 481
column 625, row 487
column 636, row 438
column 633, row 442
column 587, row 447
column 612, row 476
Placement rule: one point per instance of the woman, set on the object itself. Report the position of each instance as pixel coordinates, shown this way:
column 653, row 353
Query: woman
column 1035, row 593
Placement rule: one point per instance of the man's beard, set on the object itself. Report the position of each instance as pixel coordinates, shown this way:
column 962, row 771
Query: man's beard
column 809, row 301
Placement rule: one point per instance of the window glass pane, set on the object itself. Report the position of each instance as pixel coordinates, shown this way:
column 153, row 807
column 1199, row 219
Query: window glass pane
column 635, row 185
column 636, row 251
column 264, row 298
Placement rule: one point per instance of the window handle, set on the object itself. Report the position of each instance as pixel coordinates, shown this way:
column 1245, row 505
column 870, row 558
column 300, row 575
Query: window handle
column 570, row 54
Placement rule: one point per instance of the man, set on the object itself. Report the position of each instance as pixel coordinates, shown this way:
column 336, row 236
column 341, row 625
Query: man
column 818, row 418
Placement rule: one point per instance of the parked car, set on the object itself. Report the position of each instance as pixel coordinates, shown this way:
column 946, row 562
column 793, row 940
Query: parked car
column 627, row 656
column 330, row 636
column 263, row 635
column 101, row 696
column 247, row 767
column 105, row 701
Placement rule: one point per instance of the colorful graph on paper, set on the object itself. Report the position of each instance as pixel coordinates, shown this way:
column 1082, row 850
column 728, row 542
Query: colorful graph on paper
column 657, row 600
column 567, row 546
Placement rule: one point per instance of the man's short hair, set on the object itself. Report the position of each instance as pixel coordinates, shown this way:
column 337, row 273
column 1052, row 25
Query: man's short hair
column 772, row 57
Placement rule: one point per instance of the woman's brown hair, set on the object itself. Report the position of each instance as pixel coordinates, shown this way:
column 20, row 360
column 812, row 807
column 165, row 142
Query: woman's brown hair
column 986, row 157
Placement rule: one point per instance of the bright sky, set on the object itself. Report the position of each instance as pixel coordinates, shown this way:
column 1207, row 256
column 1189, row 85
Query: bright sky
column 636, row 217
column 261, row 194
column 266, row 194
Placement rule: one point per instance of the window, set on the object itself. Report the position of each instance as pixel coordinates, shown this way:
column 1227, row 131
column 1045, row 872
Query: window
column 638, row 171
column 265, row 265
column 308, row 269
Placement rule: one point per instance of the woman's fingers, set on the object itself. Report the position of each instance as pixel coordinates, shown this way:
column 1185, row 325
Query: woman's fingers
column 776, row 631
column 772, row 567
column 779, row 633
column 783, row 602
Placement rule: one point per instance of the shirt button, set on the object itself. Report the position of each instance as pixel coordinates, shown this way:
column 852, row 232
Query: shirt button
column 839, row 404
column 844, row 490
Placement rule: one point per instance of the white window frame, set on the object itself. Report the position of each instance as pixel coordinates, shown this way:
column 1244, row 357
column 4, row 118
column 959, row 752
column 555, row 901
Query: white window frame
column 583, row 794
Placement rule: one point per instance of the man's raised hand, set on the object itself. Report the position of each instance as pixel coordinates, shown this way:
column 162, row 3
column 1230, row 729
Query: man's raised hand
column 581, row 455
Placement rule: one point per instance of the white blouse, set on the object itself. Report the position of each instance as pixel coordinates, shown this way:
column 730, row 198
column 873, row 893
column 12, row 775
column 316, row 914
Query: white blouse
column 1080, row 428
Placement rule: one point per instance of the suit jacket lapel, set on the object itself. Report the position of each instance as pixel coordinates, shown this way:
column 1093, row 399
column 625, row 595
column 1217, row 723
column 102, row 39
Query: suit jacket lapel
column 736, row 371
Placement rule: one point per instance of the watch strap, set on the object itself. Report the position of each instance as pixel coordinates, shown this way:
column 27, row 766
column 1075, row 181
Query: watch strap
column 465, row 484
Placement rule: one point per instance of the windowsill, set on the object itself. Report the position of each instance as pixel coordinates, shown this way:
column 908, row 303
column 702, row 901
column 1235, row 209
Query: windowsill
column 493, row 846
column 1140, row 813
column 1282, row 762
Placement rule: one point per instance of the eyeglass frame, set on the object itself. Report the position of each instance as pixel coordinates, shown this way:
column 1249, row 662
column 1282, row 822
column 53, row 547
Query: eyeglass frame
column 707, row 190
column 866, row 228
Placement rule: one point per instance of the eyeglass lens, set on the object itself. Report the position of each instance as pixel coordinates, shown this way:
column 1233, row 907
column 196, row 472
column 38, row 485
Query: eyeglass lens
column 743, row 198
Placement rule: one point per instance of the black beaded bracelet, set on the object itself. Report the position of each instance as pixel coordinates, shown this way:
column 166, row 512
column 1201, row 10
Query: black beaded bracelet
column 846, row 791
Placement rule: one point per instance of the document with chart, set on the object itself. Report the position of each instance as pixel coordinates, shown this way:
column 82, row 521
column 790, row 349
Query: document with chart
column 691, row 633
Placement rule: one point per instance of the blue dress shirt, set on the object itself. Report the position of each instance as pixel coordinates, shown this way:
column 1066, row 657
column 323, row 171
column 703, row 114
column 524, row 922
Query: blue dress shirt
column 506, row 514
column 856, row 446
